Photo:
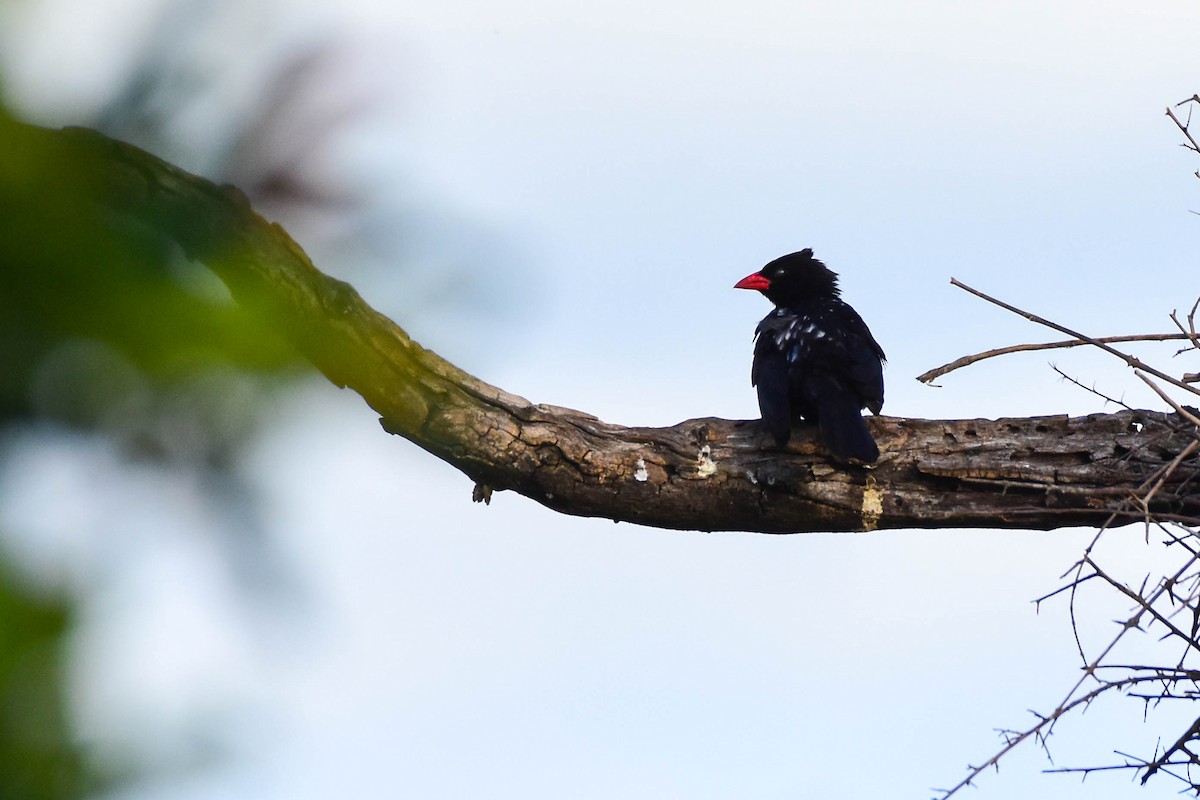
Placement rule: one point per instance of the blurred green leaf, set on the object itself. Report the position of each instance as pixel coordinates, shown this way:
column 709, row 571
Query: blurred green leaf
column 71, row 270
column 104, row 326
column 38, row 756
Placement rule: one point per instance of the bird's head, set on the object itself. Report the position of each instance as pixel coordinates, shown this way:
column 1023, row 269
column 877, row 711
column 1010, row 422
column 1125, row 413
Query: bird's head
column 792, row 279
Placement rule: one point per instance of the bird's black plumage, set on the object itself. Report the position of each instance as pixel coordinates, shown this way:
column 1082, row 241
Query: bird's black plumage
column 814, row 357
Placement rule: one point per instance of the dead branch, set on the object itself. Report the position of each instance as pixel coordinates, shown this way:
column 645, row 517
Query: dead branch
column 1185, row 127
column 966, row 361
column 706, row 474
column 1128, row 359
column 1091, row 389
column 1189, row 331
column 702, row 474
column 1166, row 398
column 1044, row 727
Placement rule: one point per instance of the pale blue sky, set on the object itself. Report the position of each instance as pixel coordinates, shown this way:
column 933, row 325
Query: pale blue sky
column 635, row 160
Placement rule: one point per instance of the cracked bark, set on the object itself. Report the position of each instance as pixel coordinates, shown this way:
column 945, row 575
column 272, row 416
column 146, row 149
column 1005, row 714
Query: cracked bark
column 702, row 474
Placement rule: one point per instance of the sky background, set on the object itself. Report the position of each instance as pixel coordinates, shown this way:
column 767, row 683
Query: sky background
column 575, row 189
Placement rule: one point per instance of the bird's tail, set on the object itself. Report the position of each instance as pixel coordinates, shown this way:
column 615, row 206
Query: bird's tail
column 845, row 432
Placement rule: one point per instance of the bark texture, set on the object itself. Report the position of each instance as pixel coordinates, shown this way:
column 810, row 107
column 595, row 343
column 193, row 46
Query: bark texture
column 703, row 474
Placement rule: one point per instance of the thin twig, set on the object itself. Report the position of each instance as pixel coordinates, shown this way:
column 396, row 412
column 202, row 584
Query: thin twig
column 967, row 361
column 1164, row 759
column 1093, row 390
column 1192, row 323
column 1192, row 145
column 1015, row 738
column 1138, row 598
column 1128, row 359
column 1166, row 398
column 1145, row 605
column 1190, row 330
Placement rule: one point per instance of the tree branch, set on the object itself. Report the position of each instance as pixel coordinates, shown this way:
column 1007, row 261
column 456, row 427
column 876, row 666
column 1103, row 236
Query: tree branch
column 705, row 474
column 1128, row 359
column 966, row 361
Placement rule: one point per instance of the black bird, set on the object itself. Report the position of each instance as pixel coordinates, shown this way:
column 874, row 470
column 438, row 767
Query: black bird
column 814, row 357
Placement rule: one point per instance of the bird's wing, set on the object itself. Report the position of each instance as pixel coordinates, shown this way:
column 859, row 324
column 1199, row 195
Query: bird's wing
column 770, row 375
column 833, row 339
column 865, row 359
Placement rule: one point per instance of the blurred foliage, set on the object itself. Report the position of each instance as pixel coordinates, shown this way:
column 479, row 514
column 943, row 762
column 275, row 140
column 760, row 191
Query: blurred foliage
column 104, row 327
column 107, row 329
column 104, row 324
column 37, row 756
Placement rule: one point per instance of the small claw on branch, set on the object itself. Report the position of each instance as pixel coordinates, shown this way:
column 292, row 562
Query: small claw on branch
column 482, row 493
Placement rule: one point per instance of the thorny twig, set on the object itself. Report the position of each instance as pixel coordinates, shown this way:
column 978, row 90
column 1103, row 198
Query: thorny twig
column 1190, row 330
column 1093, row 390
column 1168, row 605
column 1086, row 569
column 1184, row 127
